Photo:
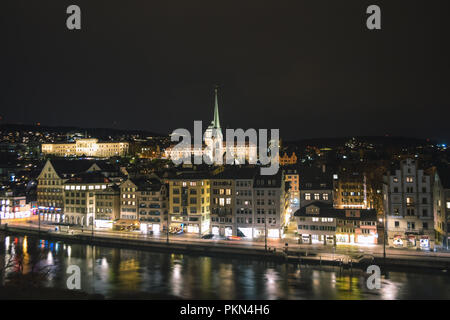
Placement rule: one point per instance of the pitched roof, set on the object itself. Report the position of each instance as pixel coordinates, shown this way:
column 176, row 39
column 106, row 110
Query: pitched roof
column 234, row 172
column 444, row 175
column 88, row 177
column 64, row 167
column 146, row 184
column 268, row 181
column 327, row 210
column 313, row 178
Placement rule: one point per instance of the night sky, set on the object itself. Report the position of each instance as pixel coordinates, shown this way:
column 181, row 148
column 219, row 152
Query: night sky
column 308, row 67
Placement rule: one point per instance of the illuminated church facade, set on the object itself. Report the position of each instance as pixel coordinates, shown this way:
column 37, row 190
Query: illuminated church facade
column 214, row 147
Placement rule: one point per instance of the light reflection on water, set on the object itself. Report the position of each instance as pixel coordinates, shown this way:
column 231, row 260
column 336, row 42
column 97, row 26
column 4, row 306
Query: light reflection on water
column 111, row 271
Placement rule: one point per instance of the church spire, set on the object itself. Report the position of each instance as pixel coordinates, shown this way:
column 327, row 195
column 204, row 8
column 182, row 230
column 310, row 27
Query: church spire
column 216, row 122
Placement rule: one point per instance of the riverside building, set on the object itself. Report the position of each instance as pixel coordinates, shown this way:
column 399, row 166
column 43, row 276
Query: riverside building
column 321, row 223
column 189, row 203
column 407, row 198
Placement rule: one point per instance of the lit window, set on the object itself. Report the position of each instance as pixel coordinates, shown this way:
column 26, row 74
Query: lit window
column 307, row 196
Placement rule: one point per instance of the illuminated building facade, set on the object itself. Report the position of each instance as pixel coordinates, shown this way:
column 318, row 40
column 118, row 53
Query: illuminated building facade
column 351, row 191
column 189, row 203
column 213, row 137
column 107, row 206
column 223, row 205
column 13, row 207
column 128, row 201
column 292, row 177
column 315, row 185
column 50, row 189
column 271, row 203
column 86, row 147
column 80, row 193
column 286, row 160
column 441, row 206
column 51, row 185
column 321, row 223
column 244, row 204
column 407, row 197
column 147, row 198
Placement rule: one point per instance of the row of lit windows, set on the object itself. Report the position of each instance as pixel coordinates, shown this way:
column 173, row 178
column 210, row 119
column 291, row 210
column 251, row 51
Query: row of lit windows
column 313, row 227
column 91, row 187
column 222, row 191
column 316, row 196
column 191, row 183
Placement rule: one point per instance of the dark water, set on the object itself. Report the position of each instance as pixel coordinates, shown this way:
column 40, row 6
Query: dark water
column 111, row 271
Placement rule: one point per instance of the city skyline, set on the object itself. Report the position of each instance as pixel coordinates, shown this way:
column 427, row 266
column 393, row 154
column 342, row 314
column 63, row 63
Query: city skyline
column 295, row 67
column 224, row 154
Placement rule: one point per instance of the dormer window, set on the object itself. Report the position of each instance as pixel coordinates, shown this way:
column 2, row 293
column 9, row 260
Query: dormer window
column 312, row 209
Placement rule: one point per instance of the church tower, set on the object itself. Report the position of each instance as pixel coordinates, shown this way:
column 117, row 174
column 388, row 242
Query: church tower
column 213, row 135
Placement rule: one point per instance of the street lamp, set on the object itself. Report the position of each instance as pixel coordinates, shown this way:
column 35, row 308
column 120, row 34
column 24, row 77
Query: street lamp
column 167, row 228
column 93, row 222
column 265, row 230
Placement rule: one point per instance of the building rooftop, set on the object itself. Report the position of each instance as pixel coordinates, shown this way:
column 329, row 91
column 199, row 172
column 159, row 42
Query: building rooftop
column 146, row 184
column 314, row 178
column 326, row 210
column 64, row 167
column 88, row 177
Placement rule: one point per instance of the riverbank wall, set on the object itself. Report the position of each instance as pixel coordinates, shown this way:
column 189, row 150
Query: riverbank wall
column 295, row 257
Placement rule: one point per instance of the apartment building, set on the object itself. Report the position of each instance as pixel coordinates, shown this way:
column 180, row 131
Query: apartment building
column 50, row 188
column 292, row 176
column 407, row 197
column 271, row 203
column 189, row 203
column 80, row 197
column 13, row 207
column 315, row 184
column 351, row 190
column 222, row 204
column 441, row 205
column 107, row 206
column 152, row 200
column 244, row 203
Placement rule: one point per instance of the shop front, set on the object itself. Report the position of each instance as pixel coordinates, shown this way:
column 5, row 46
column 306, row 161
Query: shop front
column 193, row 228
column 397, row 241
column 247, row 232
column 411, row 241
column 424, row 242
column 150, row 228
column 304, row 238
column 342, row 238
column 366, row 239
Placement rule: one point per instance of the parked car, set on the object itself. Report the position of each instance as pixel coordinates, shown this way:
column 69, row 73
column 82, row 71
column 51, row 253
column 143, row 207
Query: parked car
column 208, row 236
column 234, row 238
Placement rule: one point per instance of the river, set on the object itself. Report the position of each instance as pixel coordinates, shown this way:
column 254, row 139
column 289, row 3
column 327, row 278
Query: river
column 116, row 272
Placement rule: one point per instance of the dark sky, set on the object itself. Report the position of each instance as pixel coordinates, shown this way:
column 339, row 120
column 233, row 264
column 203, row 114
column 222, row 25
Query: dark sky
column 308, row 67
